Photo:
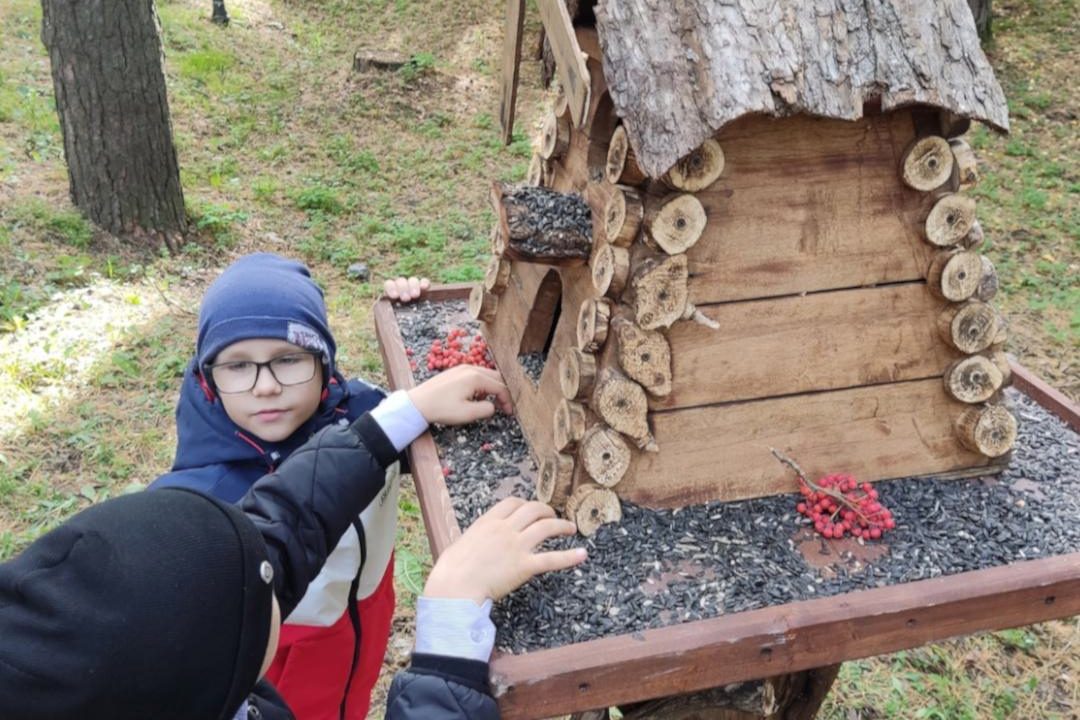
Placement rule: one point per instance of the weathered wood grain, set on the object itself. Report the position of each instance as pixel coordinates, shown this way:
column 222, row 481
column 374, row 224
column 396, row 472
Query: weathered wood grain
column 782, row 639
column 880, row 431
column 435, row 505
column 511, row 59
column 823, row 341
column 807, row 204
column 569, row 62
column 678, row 72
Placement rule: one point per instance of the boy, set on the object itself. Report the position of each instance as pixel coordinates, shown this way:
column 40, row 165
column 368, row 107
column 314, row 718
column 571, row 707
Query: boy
column 166, row 604
column 263, row 380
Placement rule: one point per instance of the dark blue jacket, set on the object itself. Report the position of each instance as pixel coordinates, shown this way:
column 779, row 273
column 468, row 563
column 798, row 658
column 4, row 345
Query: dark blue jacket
column 214, row 456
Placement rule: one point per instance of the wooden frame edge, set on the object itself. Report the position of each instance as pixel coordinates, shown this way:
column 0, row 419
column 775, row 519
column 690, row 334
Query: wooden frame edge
column 1041, row 392
column 782, row 639
column 753, row 644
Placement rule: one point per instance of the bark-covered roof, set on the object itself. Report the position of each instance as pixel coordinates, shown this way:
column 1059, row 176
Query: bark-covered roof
column 679, row 70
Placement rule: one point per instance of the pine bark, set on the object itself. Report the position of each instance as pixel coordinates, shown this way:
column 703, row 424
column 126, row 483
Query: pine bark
column 679, row 71
column 109, row 80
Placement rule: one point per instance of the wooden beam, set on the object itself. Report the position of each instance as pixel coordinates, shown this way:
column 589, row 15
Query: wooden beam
column 515, row 20
column 435, row 505
column 569, row 62
column 1049, row 397
column 881, row 431
column 823, row 341
column 847, row 220
column 782, row 639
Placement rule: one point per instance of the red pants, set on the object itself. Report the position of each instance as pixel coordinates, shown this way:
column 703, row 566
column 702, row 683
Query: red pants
column 311, row 667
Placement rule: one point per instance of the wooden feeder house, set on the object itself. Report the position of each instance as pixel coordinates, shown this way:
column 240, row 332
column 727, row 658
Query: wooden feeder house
column 748, row 227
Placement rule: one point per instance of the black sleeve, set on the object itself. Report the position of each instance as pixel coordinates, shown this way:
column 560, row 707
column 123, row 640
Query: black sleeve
column 269, row 705
column 441, row 688
column 304, row 508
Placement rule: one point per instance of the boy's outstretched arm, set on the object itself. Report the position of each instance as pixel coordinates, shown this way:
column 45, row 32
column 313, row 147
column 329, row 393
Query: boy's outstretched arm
column 454, row 636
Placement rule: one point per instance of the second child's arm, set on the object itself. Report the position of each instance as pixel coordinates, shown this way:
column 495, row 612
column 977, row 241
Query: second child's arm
column 304, row 507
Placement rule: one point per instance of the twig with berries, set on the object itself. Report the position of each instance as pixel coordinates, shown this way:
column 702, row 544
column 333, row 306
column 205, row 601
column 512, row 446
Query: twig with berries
column 838, row 504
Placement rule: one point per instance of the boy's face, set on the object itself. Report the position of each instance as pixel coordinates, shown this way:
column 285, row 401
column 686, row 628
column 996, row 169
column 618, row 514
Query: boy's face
column 270, row 411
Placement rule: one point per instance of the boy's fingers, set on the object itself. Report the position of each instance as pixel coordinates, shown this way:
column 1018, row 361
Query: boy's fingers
column 546, row 528
column 424, row 283
column 390, row 288
column 478, row 410
column 505, row 507
column 556, row 560
column 530, row 513
column 414, row 287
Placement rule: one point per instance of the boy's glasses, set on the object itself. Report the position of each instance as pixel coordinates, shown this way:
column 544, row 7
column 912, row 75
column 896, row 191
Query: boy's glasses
column 242, row 375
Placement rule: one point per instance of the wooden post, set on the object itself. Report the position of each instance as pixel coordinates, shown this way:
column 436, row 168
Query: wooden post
column 970, row 327
column 974, row 237
column 569, row 62
column 644, row 355
column 622, row 404
column 569, row 424
column 989, row 429
column 512, row 29
column 697, row 170
column 674, row 223
column 605, row 455
column 622, row 167
column 988, row 280
column 965, row 173
column 622, row 216
column 497, row 275
column 555, row 136
column 927, row 163
column 577, row 374
column 973, row 379
column 592, row 323
column 590, row 506
column 660, row 291
column 482, row 304
column 539, row 171
column 950, row 220
column 955, row 275
column 554, row 478
column 610, row 268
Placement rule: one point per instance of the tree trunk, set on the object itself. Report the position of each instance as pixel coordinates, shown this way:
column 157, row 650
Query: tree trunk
column 109, row 81
column 980, row 10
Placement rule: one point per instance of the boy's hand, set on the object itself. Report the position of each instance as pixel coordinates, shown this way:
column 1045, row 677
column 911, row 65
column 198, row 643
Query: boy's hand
column 460, row 395
column 497, row 554
column 406, row 289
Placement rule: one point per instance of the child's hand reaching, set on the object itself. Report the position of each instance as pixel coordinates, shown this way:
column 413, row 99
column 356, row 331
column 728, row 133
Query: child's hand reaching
column 460, row 395
column 497, row 553
column 406, row 289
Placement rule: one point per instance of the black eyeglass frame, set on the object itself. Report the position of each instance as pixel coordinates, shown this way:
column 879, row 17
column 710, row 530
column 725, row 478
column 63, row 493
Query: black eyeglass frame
column 208, row 371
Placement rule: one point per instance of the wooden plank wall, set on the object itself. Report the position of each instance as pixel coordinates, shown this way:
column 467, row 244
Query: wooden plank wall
column 807, row 204
column 814, row 264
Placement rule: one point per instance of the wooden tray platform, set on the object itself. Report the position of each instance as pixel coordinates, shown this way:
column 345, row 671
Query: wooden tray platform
column 755, row 644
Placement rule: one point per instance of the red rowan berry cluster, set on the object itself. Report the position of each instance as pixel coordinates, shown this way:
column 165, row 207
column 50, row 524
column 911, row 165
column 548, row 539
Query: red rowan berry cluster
column 453, row 352
column 838, row 505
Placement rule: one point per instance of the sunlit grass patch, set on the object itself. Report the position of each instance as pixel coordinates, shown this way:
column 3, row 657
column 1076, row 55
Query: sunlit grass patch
column 58, row 347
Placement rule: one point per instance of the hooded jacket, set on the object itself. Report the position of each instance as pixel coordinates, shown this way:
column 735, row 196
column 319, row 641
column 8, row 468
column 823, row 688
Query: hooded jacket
column 214, row 456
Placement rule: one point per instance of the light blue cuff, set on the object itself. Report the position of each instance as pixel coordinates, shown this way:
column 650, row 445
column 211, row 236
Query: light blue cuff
column 399, row 419
column 242, row 713
column 454, row 627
